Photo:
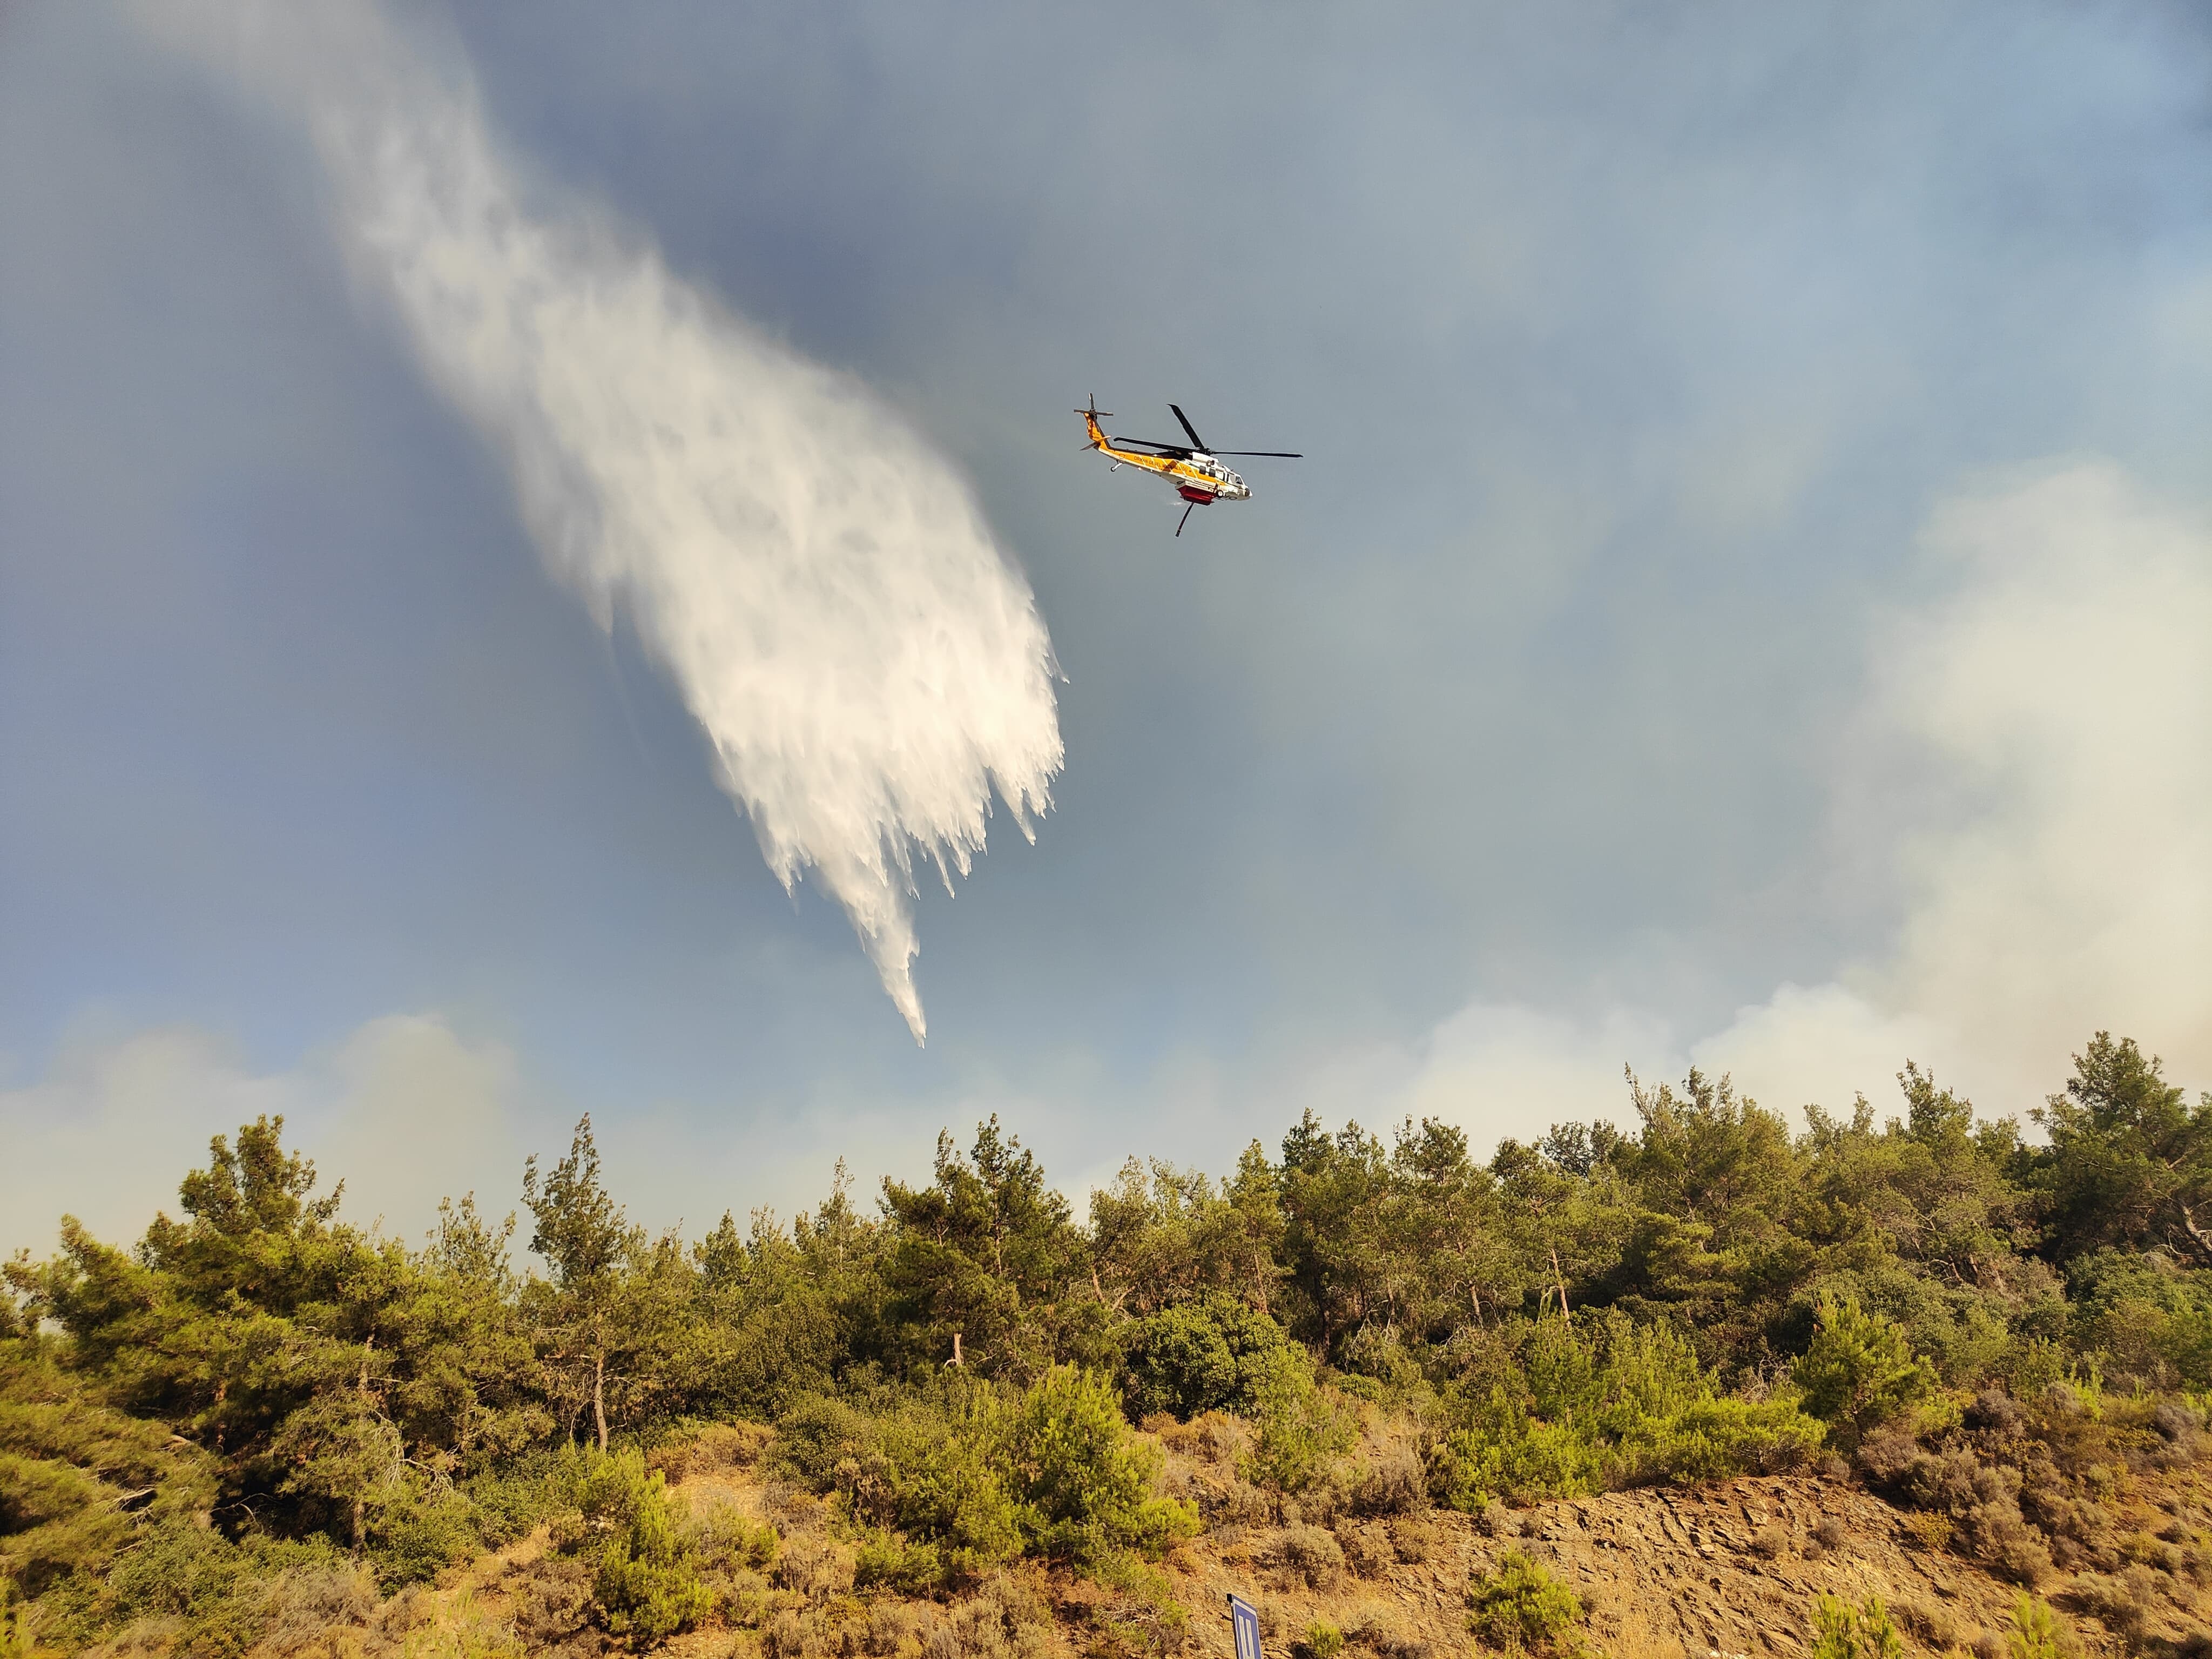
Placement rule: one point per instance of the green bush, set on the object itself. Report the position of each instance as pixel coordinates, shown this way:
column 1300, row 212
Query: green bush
column 1568, row 1411
column 1322, row 1640
column 1088, row 1485
column 1209, row 1355
column 1303, row 1428
column 422, row 1531
column 645, row 1580
column 2035, row 1633
column 16, row 1638
column 815, row 1436
column 1519, row 1605
column 943, row 1488
column 1860, row 1369
column 940, row 1478
column 1143, row 1615
column 1841, row 1630
column 505, row 1504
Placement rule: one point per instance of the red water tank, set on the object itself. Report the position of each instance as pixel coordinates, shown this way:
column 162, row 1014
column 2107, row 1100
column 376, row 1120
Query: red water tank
column 1191, row 493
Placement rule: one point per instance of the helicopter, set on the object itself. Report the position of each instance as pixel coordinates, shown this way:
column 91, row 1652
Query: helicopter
column 1195, row 471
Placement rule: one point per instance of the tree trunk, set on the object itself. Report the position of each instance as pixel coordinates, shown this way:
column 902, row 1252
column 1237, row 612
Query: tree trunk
column 2196, row 1235
column 599, row 1397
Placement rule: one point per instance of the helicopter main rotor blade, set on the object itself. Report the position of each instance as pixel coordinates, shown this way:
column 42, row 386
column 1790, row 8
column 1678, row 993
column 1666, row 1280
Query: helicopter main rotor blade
column 1279, row 454
column 1154, row 443
column 1197, row 442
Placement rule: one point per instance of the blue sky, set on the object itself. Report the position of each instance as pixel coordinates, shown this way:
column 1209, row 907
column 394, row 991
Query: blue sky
column 1687, row 394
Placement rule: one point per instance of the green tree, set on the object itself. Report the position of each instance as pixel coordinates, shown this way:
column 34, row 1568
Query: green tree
column 589, row 1243
column 2130, row 1162
column 980, row 1260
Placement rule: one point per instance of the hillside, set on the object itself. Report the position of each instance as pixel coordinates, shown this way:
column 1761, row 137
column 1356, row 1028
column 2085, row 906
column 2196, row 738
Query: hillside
column 1733, row 1570
column 1636, row 1389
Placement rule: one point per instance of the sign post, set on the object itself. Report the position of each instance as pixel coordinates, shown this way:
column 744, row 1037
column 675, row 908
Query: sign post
column 1244, row 1620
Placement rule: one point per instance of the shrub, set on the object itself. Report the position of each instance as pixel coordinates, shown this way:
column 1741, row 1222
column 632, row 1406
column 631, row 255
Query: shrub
column 1517, row 1604
column 1209, row 1355
column 421, row 1529
column 1143, row 1615
column 1312, row 1554
column 722, row 1535
column 815, row 1436
column 1568, row 1410
column 1860, row 1369
column 1303, row 1429
column 645, row 1581
column 941, row 1473
column 2035, row 1633
column 1322, row 1640
column 1088, row 1485
column 1841, row 1630
column 945, row 1489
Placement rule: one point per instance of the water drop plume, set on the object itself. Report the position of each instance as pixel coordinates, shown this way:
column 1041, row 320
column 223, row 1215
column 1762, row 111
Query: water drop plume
column 817, row 582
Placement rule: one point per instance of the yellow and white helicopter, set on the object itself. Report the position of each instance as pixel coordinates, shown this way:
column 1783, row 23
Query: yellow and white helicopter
column 1195, row 471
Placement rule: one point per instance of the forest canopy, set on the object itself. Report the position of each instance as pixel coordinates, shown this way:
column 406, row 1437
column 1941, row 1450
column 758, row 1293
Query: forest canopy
column 967, row 1369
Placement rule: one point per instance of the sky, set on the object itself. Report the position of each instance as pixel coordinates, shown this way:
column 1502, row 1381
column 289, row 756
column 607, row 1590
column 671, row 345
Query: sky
column 1743, row 604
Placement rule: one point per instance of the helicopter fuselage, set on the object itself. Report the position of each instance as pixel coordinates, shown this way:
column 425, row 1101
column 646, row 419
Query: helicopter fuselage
column 1198, row 477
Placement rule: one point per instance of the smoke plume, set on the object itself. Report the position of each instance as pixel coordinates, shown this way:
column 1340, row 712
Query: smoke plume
column 820, row 586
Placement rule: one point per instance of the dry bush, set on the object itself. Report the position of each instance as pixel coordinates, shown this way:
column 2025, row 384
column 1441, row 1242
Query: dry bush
column 1413, row 1538
column 814, row 1567
column 2007, row 1544
column 552, row 1600
column 896, row 1627
column 1495, row 1521
column 796, row 1635
column 1885, row 1457
column 791, row 1507
column 1367, row 1549
column 1310, row 1554
column 1230, row 1502
column 2180, row 1426
column 306, row 1612
column 979, row 1629
column 1929, row 1623
column 1375, row 1627
column 460, row 1630
column 2114, row 1602
column 1209, row 1438
column 2142, row 1548
column 1392, row 1485
column 1771, row 1541
column 2195, row 1566
column 730, row 1445
column 1994, row 1412
column 1930, row 1530
column 1830, row 1533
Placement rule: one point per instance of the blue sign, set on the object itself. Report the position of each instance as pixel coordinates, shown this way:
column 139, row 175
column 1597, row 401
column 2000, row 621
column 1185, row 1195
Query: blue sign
column 1245, row 1619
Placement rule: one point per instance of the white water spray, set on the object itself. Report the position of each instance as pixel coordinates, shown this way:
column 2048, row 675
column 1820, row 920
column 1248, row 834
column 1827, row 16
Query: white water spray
column 820, row 585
